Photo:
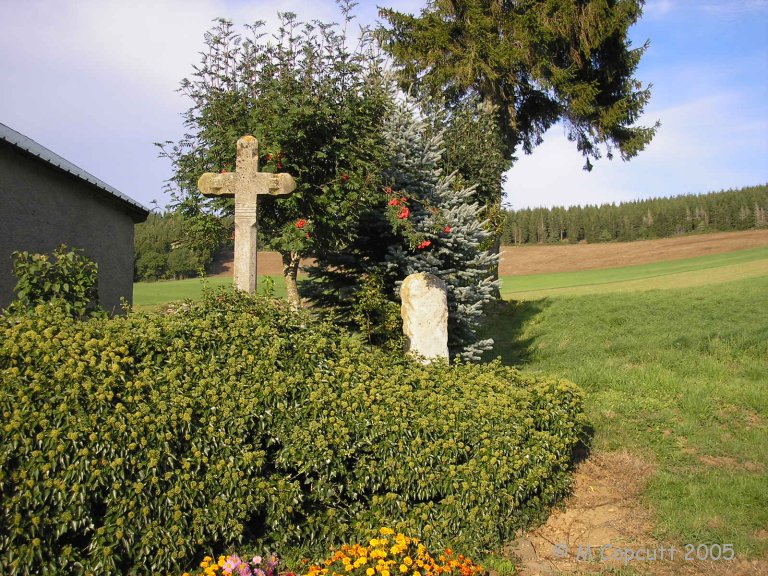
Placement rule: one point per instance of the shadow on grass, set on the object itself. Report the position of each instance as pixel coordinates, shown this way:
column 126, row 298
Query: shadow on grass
column 222, row 262
column 505, row 322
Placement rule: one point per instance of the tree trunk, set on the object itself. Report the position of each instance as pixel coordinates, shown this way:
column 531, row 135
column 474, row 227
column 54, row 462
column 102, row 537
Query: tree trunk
column 495, row 270
column 290, row 271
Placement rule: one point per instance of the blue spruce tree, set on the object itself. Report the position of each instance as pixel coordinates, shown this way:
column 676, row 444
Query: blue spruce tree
column 441, row 227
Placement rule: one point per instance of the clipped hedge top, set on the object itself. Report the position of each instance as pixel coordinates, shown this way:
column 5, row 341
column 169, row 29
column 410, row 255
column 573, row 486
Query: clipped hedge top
column 137, row 444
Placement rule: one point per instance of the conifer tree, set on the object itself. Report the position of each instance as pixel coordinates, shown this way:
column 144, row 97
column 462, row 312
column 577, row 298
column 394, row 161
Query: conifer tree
column 440, row 226
column 535, row 62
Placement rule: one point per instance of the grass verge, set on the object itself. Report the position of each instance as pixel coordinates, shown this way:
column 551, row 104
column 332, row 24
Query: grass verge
column 150, row 296
column 677, row 376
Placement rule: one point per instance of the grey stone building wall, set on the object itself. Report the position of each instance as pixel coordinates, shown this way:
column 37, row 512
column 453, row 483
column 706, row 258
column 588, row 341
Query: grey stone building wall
column 42, row 206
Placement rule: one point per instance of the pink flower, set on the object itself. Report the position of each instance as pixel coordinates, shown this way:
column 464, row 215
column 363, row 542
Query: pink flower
column 233, row 563
column 447, row 229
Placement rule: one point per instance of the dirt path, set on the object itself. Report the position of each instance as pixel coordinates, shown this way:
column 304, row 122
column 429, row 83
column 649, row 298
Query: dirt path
column 605, row 520
column 522, row 260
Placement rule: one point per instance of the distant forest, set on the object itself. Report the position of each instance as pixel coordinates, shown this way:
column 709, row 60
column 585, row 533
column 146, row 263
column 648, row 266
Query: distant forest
column 743, row 209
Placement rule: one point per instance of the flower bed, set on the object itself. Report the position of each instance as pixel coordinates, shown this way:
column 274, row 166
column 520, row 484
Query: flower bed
column 388, row 554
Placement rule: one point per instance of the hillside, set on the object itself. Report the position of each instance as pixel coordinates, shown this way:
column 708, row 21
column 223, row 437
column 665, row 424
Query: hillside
column 543, row 259
column 665, row 217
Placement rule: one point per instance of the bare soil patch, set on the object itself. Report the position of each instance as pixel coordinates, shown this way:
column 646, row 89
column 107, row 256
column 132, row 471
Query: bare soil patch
column 268, row 263
column 603, row 519
column 544, row 259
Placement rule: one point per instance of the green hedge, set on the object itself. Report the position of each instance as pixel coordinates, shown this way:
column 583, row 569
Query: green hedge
column 141, row 443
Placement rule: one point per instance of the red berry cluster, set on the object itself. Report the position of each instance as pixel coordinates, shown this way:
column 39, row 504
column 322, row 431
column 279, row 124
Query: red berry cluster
column 404, row 211
column 279, row 157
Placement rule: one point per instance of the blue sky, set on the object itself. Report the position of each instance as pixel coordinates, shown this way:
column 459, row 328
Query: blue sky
column 95, row 81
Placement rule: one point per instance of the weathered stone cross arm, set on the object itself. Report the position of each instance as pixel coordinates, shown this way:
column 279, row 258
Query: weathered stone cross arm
column 246, row 184
column 211, row 184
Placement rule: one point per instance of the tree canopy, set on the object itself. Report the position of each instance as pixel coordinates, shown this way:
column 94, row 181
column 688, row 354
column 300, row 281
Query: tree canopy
column 316, row 106
column 533, row 62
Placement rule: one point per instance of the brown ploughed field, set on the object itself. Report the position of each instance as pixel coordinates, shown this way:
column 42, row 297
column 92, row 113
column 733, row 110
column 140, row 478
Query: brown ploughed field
column 546, row 258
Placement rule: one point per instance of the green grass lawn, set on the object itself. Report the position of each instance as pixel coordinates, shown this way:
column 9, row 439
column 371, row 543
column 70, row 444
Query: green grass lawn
column 676, row 376
column 684, row 273
column 149, row 296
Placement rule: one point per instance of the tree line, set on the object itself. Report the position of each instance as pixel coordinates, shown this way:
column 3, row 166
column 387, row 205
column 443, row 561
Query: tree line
column 723, row 211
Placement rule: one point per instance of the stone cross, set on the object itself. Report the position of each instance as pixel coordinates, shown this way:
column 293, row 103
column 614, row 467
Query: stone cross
column 246, row 184
column 424, row 311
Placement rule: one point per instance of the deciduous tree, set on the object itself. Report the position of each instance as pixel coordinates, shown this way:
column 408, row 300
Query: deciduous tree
column 314, row 103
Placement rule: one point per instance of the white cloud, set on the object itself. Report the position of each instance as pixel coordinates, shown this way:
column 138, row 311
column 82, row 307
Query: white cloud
column 702, row 145
column 657, row 8
column 95, row 81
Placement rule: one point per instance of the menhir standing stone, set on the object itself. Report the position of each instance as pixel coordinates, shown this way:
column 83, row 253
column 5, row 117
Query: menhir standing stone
column 425, row 315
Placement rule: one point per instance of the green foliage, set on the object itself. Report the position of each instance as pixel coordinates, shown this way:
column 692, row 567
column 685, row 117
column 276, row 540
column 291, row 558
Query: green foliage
column 474, row 149
column 176, row 245
column 376, row 315
column 443, row 232
column 533, row 63
column 67, row 277
column 743, row 209
column 140, row 443
column 316, row 107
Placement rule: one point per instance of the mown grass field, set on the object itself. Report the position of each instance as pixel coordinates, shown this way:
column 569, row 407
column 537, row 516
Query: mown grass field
column 678, row 376
column 149, row 296
column 682, row 273
column 689, row 272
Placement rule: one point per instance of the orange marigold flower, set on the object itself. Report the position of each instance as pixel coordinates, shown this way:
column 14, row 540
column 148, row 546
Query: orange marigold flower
column 300, row 223
column 404, row 213
column 393, row 202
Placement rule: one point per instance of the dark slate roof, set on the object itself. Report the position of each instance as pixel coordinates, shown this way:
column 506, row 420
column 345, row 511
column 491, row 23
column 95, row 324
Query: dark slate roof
column 30, row 146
